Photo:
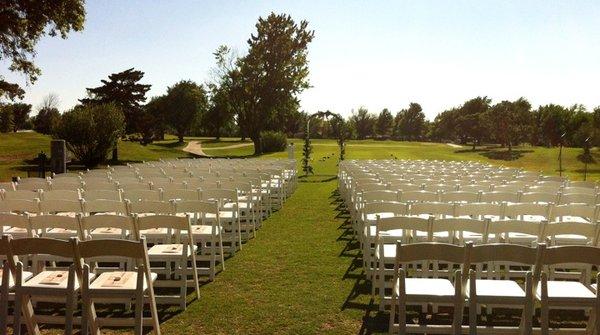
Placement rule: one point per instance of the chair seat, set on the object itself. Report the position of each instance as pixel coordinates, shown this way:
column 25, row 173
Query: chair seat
column 119, row 281
column 372, row 217
column 52, row 279
column 567, row 291
column 166, row 250
column 222, row 215
column 394, row 233
column 107, row 232
column 497, row 289
column 204, row 230
column 17, row 232
column 60, row 233
column 11, row 282
column 427, row 287
column 570, row 239
column 154, row 232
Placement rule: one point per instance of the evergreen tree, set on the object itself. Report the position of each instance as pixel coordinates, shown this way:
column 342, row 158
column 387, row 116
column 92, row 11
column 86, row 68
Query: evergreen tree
column 124, row 90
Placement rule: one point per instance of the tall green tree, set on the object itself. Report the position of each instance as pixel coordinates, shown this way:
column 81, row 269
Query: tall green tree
column 385, row 123
column 125, row 91
column 269, row 78
column 48, row 115
column 22, row 24
column 469, row 122
column 363, row 123
column 185, row 101
column 509, row 122
column 554, row 123
column 411, row 126
column 152, row 120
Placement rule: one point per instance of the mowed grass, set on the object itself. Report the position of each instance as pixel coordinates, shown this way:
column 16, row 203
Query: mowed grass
column 302, row 273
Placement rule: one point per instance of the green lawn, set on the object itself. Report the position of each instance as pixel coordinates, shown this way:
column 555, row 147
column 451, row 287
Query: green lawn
column 301, row 274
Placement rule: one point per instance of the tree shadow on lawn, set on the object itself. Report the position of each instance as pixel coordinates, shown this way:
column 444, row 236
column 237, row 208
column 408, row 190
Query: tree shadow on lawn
column 497, row 152
column 359, row 297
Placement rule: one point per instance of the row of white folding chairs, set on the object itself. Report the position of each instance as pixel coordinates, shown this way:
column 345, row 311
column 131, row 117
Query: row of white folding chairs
column 411, row 229
column 127, row 285
column 469, row 286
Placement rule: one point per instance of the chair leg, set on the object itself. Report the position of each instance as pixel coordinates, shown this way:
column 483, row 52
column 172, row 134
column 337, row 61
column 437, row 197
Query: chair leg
column 69, row 310
column 17, row 317
column 139, row 308
column 4, row 299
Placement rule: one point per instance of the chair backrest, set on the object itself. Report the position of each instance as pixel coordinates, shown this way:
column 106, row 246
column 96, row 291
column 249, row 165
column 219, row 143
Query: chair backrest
column 40, row 223
column 171, row 222
column 428, row 251
column 437, row 209
column 459, row 196
column 104, row 206
column 504, row 252
column 519, row 211
column 405, row 187
column 460, row 225
column 480, row 210
column 40, row 245
column 122, row 222
column 18, row 205
column 113, row 194
column 147, row 206
column 55, row 194
column 7, row 186
column 499, row 197
column 181, row 194
column 380, row 195
column 587, row 230
column 60, row 206
column 571, row 254
column 14, row 220
column 112, row 247
column 146, row 194
column 577, row 198
column 579, row 190
column 440, row 187
column 196, row 206
column 99, row 184
column 66, row 184
column 395, row 207
column 539, row 197
column 32, row 184
column 404, row 223
column 475, row 188
column 419, row 196
column 23, row 195
column 221, row 195
column 583, row 211
column 515, row 226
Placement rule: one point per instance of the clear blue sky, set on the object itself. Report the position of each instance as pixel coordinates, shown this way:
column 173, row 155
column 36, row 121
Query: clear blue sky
column 365, row 53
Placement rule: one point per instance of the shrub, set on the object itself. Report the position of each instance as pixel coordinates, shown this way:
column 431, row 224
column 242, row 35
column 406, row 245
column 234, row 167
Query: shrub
column 273, row 141
column 46, row 120
column 91, row 131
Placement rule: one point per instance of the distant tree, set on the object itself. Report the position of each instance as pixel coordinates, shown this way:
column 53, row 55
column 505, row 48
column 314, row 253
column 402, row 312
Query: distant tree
column 295, row 122
column 554, row 123
column 267, row 81
column 469, row 121
column 152, row 120
column 411, row 123
column 363, row 122
column 219, row 112
column 20, row 114
column 444, row 127
column 91, row 131
column 6, row 119
column 124, row 90
column 185, row 101
column 385, row 123
column 22, row 24
column 509, row 123
column 48, row 115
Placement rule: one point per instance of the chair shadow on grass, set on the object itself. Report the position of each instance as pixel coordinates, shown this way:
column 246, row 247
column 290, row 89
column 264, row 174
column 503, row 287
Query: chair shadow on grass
column 359, row 297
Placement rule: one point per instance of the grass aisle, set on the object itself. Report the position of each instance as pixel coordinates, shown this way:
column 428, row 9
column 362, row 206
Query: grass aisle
column 289, row 280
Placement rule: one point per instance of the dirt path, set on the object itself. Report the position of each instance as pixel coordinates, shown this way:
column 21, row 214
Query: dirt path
column 195, row 147
column 454, row 145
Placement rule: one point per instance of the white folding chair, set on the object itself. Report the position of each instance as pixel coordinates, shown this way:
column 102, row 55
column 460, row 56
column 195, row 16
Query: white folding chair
column 176, row 251
column 121, row 285
column 407, row 289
